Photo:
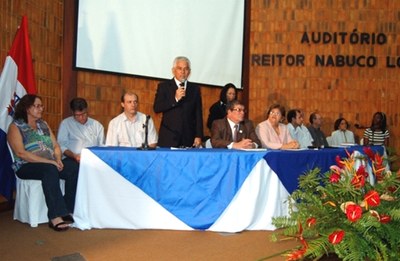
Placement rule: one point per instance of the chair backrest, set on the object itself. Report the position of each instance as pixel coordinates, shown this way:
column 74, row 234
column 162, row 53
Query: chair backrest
column 208, row 144
column 329, row 140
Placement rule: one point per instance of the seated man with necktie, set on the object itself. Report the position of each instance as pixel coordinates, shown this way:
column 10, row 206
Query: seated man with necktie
column 233, row 131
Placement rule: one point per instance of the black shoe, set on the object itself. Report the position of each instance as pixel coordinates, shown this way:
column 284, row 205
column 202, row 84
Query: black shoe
column 57, row 227
column 68, row 219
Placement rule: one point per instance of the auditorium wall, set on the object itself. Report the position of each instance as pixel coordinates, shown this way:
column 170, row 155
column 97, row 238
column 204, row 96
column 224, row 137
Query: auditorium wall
column 337, row 57
column 325, row 55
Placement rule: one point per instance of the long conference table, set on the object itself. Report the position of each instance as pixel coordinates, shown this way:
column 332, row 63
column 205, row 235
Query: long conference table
column 191, row 189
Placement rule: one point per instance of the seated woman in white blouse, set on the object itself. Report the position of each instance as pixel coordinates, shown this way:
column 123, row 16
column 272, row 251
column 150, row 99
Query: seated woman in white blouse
column 272, row 133
column 341, row 134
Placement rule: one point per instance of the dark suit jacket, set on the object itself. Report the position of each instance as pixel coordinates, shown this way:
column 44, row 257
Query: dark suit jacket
column 318, row 137
column 182, row 121
column 221, row 133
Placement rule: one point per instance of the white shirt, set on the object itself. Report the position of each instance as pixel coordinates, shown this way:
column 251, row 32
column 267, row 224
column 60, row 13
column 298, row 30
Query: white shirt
column 126, row 133
column 75, row 136
column 339, row 137
column 301, row 134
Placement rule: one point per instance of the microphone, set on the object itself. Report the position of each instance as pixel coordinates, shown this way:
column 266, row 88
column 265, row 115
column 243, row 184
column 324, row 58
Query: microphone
column 145, row 145
column 182, row 85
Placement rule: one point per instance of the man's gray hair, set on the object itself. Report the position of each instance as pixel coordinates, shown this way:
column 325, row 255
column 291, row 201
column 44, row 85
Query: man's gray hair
column 181, row 58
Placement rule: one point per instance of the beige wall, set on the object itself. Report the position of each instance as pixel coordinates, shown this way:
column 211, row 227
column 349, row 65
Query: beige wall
column 277, row 27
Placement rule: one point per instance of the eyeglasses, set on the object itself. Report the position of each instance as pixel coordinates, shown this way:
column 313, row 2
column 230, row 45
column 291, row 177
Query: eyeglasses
column 239, row 110
column 277, row 113
column 77, row 115
column 38, row 106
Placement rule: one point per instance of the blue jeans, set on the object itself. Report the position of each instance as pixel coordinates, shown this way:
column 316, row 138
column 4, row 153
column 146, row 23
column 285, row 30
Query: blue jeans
column 57, row 204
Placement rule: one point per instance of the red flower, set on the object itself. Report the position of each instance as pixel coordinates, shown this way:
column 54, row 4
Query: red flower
column 336, row 237
column 361, row 171
column 378, row 160
column 384, row 218
column 372, row 198
column 311, row 221
column 334, row 178
column 358, row 181
column 353, row 212
column 339, row 162
column 295, row 255
column 392, row 189
column 368, row 151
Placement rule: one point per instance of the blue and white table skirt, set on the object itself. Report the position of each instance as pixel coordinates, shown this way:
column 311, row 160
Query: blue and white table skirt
column 204, row 189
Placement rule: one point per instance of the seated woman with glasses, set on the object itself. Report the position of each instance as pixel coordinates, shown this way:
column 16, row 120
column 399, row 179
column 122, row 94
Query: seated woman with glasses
column 272, row 133
column 234, row 131
column 38, row 156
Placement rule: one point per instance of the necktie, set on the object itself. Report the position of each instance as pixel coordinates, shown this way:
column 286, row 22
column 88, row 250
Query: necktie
column 235, row 132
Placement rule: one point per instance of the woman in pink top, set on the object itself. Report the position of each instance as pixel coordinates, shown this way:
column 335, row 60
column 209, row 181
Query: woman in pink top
column 272, row 133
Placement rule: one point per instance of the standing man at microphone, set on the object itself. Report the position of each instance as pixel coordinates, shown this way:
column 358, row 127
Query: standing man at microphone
column 180, row 103
column 128, row 128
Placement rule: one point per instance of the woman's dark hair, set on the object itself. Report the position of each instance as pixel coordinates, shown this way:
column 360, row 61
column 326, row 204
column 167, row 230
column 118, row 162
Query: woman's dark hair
column 337, row 123
column 23, row 105
column 382, row 122
column 222, row 95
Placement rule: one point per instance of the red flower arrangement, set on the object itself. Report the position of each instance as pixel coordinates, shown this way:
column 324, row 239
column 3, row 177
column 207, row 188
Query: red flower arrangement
column 346, row 211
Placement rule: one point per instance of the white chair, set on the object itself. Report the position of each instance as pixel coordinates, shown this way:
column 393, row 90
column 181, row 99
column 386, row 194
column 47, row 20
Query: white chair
column 329, row 140
column 30, row 205
column 208, row 144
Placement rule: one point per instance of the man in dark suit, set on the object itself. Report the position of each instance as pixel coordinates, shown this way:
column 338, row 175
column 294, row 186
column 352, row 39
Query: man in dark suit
column 233, row 131
column 181, row 105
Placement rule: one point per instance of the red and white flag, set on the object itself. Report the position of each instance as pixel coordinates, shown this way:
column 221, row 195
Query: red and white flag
column 16, row 80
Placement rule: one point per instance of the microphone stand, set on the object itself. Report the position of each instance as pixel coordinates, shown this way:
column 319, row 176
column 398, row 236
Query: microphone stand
column 145, row 145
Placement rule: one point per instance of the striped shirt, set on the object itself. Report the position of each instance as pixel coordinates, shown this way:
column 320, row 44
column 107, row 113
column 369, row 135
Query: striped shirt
column 376, row 137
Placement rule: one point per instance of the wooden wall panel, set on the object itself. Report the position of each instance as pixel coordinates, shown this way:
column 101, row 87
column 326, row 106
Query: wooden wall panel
column 352, row 92
column 45, row 25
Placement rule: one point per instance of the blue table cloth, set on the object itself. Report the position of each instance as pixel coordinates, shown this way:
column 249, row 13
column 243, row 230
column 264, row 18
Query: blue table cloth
column 206, row 189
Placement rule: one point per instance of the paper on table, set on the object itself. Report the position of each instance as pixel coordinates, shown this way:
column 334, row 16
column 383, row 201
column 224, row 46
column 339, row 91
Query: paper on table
column 259, row 149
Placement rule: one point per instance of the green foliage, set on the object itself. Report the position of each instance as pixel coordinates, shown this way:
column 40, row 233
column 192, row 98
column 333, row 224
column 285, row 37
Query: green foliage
column 336, row 212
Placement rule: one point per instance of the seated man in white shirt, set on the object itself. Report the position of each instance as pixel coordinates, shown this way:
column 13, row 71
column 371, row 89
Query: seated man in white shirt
column 79, row 131
column 297, row 129
column 128, row 128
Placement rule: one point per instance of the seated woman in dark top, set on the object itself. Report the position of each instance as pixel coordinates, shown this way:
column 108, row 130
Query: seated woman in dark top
column 38, row 156
column 218, row 109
